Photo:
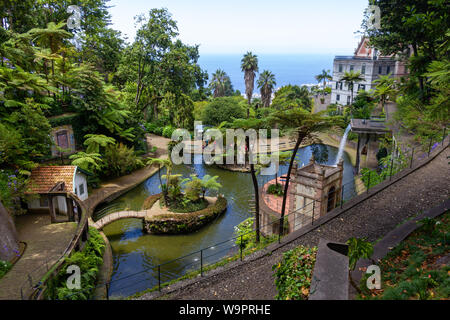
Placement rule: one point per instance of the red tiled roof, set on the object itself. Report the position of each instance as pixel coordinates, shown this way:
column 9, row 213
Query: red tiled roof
column 44, row 178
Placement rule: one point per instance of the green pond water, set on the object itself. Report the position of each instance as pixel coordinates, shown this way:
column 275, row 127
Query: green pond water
column 136, row 255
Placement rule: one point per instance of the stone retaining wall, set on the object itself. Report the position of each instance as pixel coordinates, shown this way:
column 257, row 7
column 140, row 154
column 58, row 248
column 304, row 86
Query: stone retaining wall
column 177, row 223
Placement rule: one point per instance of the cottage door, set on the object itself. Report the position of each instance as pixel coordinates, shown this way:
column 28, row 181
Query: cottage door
column 62, row 139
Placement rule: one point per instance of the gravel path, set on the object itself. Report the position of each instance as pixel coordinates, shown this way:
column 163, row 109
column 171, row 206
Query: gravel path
column 423, row 189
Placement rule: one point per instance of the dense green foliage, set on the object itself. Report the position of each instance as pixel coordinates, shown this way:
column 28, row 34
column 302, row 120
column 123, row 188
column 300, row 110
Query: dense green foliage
column 88, row 77
column 89, row 261
column 223, row 109
column 294, row 273
column 290, row 97
column 417, row 32
column 408, row 271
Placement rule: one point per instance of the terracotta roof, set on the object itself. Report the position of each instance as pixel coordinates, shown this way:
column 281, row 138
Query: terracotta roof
column 44, row 178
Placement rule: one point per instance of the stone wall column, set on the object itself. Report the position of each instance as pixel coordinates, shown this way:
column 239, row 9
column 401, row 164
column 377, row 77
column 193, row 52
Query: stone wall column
column 9, row 241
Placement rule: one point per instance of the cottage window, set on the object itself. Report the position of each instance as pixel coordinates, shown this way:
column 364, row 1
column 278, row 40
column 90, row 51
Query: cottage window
column 81, row 188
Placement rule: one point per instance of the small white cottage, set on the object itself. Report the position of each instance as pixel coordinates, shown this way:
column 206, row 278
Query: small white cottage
column 44, row 179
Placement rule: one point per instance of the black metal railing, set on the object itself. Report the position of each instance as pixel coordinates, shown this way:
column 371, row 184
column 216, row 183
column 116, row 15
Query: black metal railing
column 196, row 263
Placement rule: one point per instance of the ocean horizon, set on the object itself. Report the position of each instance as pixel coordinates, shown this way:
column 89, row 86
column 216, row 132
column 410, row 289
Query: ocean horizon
column 295, row 69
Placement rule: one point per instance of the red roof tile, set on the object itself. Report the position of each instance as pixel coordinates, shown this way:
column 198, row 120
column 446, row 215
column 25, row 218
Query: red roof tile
column 44, row 178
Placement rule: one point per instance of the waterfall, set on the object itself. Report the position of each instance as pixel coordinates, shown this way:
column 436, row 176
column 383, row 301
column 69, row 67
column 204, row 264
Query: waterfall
column 342, row 145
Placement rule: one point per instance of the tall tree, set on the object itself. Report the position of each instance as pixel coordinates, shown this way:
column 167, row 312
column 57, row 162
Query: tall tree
column 247, row 124
column 324, row 76
column 51, row 37
column 266, row 83
column 221, row 84
column 249, row 65
column 304, row 124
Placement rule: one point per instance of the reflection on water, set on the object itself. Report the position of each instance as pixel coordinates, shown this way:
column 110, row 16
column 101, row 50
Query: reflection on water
column 136, row 253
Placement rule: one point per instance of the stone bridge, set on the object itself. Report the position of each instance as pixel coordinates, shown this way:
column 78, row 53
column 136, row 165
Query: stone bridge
column 100, row 224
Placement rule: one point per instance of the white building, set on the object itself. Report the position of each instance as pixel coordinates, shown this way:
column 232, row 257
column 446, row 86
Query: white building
column 369, row 63
column 44, row 179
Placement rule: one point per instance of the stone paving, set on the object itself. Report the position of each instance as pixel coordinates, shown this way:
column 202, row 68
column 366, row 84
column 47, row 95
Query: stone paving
column 46, row 242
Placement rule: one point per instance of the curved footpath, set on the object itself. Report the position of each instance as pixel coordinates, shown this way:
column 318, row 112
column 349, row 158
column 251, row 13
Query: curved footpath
column 425, row 187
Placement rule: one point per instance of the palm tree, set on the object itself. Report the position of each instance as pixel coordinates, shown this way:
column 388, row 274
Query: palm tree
column 324, row 76
column 52, row 37
column 95, row 141
column 218, row 82
column 161, row 163
column 350, row 78
column 209, row 182
column 86, row 161
column 304, row 123
column 249, row 65
column 266, row 83
column 385, row 89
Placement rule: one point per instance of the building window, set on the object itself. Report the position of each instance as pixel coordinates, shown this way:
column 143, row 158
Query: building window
column 348, row 99
column 352, row 67
column 338, row 97
column 340, row 68
column 388, row 69
column 363, row 87
column 380, row 69
column 363, row 69
column 341, row 86
column 337, row 84
column 43, row 201
column 81, row 187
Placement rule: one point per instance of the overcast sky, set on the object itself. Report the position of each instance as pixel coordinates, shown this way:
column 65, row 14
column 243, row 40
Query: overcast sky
column 263, row 26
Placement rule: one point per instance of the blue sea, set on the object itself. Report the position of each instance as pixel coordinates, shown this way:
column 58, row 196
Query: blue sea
column 295, row 69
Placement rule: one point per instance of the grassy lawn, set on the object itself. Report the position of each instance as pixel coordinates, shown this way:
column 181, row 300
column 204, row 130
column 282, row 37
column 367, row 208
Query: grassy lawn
column 409, row 271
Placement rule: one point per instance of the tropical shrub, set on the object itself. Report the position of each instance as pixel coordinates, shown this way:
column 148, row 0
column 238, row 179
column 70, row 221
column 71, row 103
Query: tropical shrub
column 167, row 131
column 293, row 273
column 193, row 189
column 89, row 261
column 276, row 189
column 223, row 109
column 120, row 160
